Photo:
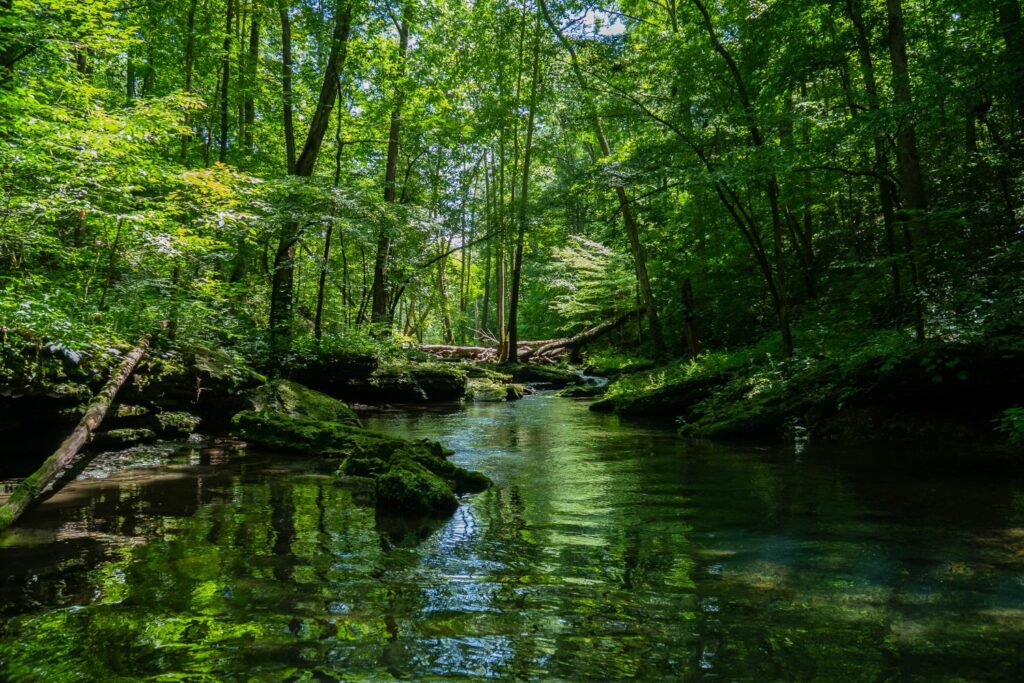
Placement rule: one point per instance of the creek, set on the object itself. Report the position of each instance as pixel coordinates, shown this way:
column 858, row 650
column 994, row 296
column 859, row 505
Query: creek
column 608, row 550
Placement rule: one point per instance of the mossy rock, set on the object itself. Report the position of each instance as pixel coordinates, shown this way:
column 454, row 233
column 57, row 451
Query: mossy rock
column 416, row 383
column 315, row 437
column 295, row 400
column 486, row 391
column 122, row 438
column 582, row 391
column 514, row 392
column 355, row 466
column 411, row 477
column 410, row 488
column 488, row 371
column 177, row 423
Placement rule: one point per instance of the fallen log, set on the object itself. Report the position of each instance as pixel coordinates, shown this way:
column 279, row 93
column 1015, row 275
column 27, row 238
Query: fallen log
column 477, row 353
column 68, row 456
column 588, row 335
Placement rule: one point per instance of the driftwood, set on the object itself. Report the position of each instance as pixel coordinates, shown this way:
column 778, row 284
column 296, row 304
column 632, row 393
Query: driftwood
column 67, row 456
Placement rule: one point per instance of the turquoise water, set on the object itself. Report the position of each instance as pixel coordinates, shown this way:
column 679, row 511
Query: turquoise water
column 608, row 551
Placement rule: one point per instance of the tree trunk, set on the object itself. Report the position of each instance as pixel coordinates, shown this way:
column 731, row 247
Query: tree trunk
column 772, row 183
column 690, row 319
column 915, row 203
column 225, row 79
column 517, row 263
column 586, row 336
column 286, row 84
column 67, row 455
column 1013, row 37
column 283, row 282
column 379, row 311
column 886, row 189
column 252, row 80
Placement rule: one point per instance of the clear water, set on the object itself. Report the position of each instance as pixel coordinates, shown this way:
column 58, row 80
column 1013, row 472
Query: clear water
column 608, row 551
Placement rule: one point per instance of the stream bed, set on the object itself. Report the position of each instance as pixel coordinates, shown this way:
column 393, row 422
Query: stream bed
column 609, row 550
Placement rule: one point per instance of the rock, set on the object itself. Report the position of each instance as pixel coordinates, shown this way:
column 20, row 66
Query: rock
column 208, row 382
column 294, row 400
column 486, row 391
column 122, row 438
column 364, row 379
column 410, row 477
column 582, row 391
column 177, row 424
column 514, row 392
column 416, row 383
column 411, row 488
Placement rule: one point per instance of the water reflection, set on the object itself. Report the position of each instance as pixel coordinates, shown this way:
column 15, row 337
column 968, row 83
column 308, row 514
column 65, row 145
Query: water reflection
column 609, row 551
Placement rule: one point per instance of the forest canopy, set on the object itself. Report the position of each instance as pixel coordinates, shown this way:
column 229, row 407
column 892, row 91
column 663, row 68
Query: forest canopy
column 274, row 176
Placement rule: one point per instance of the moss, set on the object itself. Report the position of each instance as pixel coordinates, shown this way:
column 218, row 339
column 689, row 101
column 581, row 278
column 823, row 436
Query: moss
column 354, row 466
column 122, row 438
column 488, row 371
column 514, row 392
column 177, row 423
column 303, row 435
column 410, row 488
column 122, row 410
column 486, row 391
column 582, row 391
column 416, row 382
column 293, row 399
column 411, row 477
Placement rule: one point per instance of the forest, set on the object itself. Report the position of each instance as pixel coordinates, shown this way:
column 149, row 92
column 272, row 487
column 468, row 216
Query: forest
column 275, row 223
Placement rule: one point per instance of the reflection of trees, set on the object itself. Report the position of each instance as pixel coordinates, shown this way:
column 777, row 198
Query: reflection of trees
column 614, row 552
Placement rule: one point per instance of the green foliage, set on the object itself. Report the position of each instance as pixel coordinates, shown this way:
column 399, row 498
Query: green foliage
column 1011, row 425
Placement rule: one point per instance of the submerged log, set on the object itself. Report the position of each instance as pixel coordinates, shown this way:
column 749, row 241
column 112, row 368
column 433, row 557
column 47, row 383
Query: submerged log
column 68, row 456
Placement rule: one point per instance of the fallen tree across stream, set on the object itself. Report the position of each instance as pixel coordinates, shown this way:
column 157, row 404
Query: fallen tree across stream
column 68, row 456
column 544, row 351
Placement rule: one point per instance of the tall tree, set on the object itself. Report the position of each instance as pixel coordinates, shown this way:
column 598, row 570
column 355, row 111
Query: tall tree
column 380, row 308
column 915, row 203
column 523, row 213
column 283, row 282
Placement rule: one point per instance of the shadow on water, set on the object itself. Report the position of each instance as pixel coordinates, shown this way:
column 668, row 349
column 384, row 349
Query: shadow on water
column 608, row 551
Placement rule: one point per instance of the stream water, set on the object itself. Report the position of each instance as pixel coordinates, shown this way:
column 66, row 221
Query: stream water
column 609, row 550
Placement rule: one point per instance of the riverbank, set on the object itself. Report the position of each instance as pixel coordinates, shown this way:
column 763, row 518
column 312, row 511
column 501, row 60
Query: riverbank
column 886, row 389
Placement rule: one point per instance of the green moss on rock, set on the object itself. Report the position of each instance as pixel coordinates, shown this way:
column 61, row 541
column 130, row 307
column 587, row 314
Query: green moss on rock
column 410, row 488
column 295, row 400
column 486, row 391
column 177, row 423
column 412, row 477
column 122, row 438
